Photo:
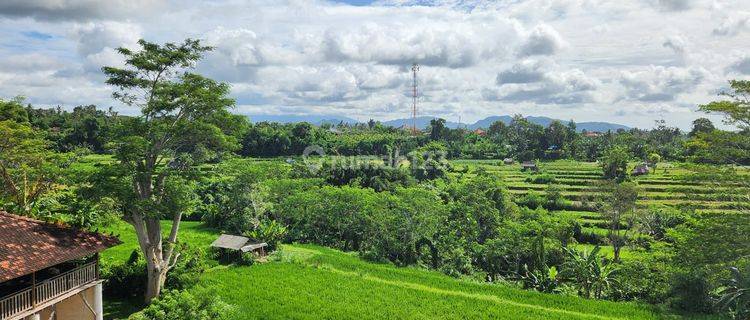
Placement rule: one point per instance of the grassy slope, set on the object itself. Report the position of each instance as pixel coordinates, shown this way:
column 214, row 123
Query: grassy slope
column 311, row 282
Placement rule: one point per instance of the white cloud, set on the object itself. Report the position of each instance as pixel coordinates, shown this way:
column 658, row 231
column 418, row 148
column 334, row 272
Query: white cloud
column 673, row 5
column 78, row 10
column 544, row 83
column 586, row 59
column 733, row 24
column 660, row 84
column 677, row 43
column 741, row 66
column 542, row 40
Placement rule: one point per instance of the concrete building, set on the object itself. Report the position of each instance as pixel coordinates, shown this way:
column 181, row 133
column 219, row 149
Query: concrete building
column 48, row 271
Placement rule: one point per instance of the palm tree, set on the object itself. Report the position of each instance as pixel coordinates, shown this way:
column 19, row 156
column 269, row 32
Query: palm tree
column 734, row 297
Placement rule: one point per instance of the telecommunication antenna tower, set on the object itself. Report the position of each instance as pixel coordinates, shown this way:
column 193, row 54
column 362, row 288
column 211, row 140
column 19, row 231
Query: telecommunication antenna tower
column 414, row 69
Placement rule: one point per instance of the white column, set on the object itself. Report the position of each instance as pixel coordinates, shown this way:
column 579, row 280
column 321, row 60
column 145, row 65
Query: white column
column 98, row 302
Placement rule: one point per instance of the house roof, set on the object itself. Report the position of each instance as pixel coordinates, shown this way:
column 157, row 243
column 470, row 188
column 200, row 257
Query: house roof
column 28, row 245
column 228, row 241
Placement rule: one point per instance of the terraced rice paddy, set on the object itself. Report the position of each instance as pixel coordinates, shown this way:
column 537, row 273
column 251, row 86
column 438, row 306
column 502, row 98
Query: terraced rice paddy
column 675, row 185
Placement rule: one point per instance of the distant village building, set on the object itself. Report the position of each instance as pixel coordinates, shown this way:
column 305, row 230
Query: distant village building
column 529, row 166
column 592, row 134
column 641, row 169
column 480, row 132
column 49, row 271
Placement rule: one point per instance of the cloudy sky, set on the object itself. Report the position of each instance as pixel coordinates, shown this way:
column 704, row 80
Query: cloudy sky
column 629, row 62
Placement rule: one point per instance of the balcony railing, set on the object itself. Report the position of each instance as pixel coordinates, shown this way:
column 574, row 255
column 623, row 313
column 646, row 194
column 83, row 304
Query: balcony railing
column 47, row 290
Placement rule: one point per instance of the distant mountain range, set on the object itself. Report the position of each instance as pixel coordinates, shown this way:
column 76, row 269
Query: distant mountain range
column 316, row 120
column 424, row 122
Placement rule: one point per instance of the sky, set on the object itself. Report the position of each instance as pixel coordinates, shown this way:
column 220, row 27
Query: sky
column 629, row 62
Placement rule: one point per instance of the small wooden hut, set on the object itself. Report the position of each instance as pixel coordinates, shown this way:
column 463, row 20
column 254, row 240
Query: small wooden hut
column 239, row 244
column 508, row 161
column 529, row 166
column 641, row 169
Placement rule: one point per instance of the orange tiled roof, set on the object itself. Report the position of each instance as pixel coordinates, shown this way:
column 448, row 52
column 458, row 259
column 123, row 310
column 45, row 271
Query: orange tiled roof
column 28, row 245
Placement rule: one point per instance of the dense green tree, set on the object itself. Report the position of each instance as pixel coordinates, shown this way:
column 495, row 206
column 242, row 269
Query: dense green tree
column 614, row 163
column 438, row 130
column 28, row 169
column 701, row 125
column 13, row 110
column 176, row 129
column 737, row 109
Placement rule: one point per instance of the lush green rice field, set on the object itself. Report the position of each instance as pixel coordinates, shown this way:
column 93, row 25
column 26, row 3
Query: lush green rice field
column 670, row 185
column 311, row 282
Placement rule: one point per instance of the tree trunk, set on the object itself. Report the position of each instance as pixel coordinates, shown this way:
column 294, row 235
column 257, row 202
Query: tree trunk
column 617, row 249
column 160, row 257
column 154, row 283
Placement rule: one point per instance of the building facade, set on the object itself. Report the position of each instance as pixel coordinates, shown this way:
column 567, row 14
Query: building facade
column 48, row 271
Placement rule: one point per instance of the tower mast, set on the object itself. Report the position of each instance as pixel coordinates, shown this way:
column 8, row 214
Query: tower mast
column 414, row 69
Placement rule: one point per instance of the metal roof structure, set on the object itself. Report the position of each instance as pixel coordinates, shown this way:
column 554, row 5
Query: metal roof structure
column 228, row 241
column 239, row 243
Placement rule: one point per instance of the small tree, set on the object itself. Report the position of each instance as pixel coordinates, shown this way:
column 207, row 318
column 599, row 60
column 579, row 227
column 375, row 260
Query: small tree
column 617, row 202
column 182, row 122
column 653, row 160
column 614, row 163
column 27, row 168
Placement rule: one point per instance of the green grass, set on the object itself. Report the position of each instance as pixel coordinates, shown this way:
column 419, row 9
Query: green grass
column 312, row 282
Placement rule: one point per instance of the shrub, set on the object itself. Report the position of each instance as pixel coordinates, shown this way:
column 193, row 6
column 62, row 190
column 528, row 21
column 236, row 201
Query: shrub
column 532, row 200
column 691, row 292
column 642, row 281
column 178, row 305
column 127, row 279
column 553, row 198
column 187, row 271
column 270, row 232
column 544, row 178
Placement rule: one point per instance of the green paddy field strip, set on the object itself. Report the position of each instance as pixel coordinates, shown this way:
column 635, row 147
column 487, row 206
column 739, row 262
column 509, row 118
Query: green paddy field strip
column 312, row 282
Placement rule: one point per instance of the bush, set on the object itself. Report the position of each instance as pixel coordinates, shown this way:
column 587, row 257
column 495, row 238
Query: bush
column 178, row 305
column 691, row 292
column 544, row 178
column 125, row 280
column 532, row 200
column 129, row 279
column 270, row 232
column 187, row 271
column 641, row 281
column 553, row 198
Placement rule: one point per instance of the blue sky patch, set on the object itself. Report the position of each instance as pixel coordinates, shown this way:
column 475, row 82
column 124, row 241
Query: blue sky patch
column 37, row 35
column 356, row 2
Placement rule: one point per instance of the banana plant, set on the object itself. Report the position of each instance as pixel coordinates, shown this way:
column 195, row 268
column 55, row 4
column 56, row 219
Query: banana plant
column 734, row 297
